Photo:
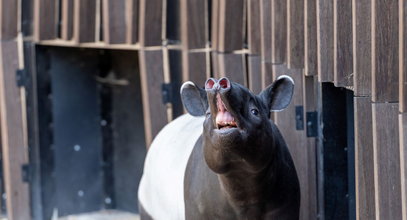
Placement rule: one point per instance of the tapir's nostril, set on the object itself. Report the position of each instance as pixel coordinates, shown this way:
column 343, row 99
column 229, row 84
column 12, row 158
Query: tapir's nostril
column 209, row 83
column 224, row 83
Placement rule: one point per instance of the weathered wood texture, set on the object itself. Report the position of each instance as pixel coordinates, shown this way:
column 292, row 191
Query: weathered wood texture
column 386, row 155
column 230, row 27
column 253, row 26
column 152, row 78
column 403, row 164
column 150, row 22
column 265, row 30
column 84, row 21
column 195, row 67
column 403, row 55
column 310, row 35
column 8, row 19
column 114, row 21
column 343, row 54
column 232, row 66
column 45, row 20
column 266, row 74
column 385, row 51
column 364, row 163
column 132, row 19
column 279, row 31
column 67, row 19
column 14, row 149
column 193, row 24
column 362, row 47
column 295, row 34
column 254, row 73
column 325, row 41
column 214, row 24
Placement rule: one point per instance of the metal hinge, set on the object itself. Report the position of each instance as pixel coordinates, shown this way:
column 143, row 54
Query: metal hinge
column 21, row 78
column 26, row 173
column 166, row 91
column 299, row 117
column 312, row 124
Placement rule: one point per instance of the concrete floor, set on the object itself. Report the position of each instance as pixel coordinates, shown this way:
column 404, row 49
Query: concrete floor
column 103, row 215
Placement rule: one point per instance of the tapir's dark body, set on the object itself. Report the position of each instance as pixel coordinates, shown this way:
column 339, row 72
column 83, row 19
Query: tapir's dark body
column 240, row 167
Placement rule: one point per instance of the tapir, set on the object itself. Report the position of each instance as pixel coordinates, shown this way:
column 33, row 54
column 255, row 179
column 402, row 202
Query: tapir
column 224, row 160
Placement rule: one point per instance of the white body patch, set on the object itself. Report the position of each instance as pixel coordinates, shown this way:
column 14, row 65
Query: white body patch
column 161, row 190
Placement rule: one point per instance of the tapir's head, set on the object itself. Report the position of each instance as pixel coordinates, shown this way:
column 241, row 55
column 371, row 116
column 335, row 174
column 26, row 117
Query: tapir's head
column 237, row 125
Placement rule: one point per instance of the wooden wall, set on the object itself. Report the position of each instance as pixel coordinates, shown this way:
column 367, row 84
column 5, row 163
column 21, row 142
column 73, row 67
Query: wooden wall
column 358, row 44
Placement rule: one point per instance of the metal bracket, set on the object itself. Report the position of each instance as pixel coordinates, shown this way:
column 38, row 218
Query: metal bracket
column 26, row 173
column 299, row 117
column 21, row 78
column 166, row 91
column 312, row 124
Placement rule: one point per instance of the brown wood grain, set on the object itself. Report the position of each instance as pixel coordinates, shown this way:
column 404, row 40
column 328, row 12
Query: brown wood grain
column 152, row 78
column 310, row 35
column 150, row 22
column 343, row 53
column 295, row 34
column 67, row 19
column 403, row 162
column 132, row 12
column 193, row 27
column 386, row 153
column 362, row 47
column 214, row 24
column 325, row 35
column 364, row 163
column 15, row 152
column 214, row 65
column 403, row 55
column 8, row 19
column 385, row 67
column 265, row 30
column 194, row 67
column 114, row 21
column 230, row 29
column 254, row 73
column 232, row 66
column 253, row 26
column 45, row 20
column 266, row 74
column 84, row 21
column 279, row 31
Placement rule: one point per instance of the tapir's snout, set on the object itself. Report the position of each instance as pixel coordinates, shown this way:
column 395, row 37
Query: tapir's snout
column 222, row 85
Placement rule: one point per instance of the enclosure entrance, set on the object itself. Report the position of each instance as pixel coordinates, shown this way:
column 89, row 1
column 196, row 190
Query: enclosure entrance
column 91, row 131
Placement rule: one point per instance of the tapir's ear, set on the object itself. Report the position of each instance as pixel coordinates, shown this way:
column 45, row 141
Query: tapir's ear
column 194, row 99
column 277, row 96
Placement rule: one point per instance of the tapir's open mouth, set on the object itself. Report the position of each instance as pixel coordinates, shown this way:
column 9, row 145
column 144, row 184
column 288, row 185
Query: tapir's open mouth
column 224, row 119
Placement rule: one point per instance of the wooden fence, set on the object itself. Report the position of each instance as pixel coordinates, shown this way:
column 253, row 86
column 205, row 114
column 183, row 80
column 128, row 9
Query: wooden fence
column 360, row 45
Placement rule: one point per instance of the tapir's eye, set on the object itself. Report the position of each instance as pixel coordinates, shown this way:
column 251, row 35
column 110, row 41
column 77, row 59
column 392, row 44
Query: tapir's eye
column 255, row 112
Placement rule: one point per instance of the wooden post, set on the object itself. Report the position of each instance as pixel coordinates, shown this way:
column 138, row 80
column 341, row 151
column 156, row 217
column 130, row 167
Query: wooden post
column 325, row 41
column 295, row 34
column 310, row 35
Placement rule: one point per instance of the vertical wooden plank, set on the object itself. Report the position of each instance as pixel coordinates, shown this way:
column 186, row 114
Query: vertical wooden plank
column 266, row 74
column 386, row 161
column 132, row 21
column 325, row 40
column 45, row 20
column 8, row 19
column 362, row 47
column 150, row 22
column 14, row 149
column 215, row 65
column 232, row 66
column 152, row 78
column 67, row 19
column 230, row 29
column 194, row 67
column 385, row 59
column 403, row 164
column 193, row 27
column 343, row 54
column 364, row 163
column 114, row 21
column 265, row 30
column 84, row 21
column 310, row 35
column 279, row 31
column 295, row 34
column 403, row 55
column 254, row 73
column 214, row 24
column 253, row 26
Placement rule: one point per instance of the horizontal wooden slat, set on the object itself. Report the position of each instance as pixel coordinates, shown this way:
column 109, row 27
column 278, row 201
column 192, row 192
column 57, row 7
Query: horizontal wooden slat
column 152, row 78
column 386, row 161
column 253, row 26
column 254, row 73
column 8, row 19
column 45, row 20
column 385, row 51
column 325, row 40
column 150, row 25
column 230, row 29
column 403, row 55
column 364, row 163
column 14, row 149
column 265, row 30
column 362, row 47
column 67, row 19
column 295, row 34
column 310, row 35
column 114, row 21
column 84, row 21
column 193, row 28
column 279, row 31
column 343, row 54
column 232, row 66
column 403, row 162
